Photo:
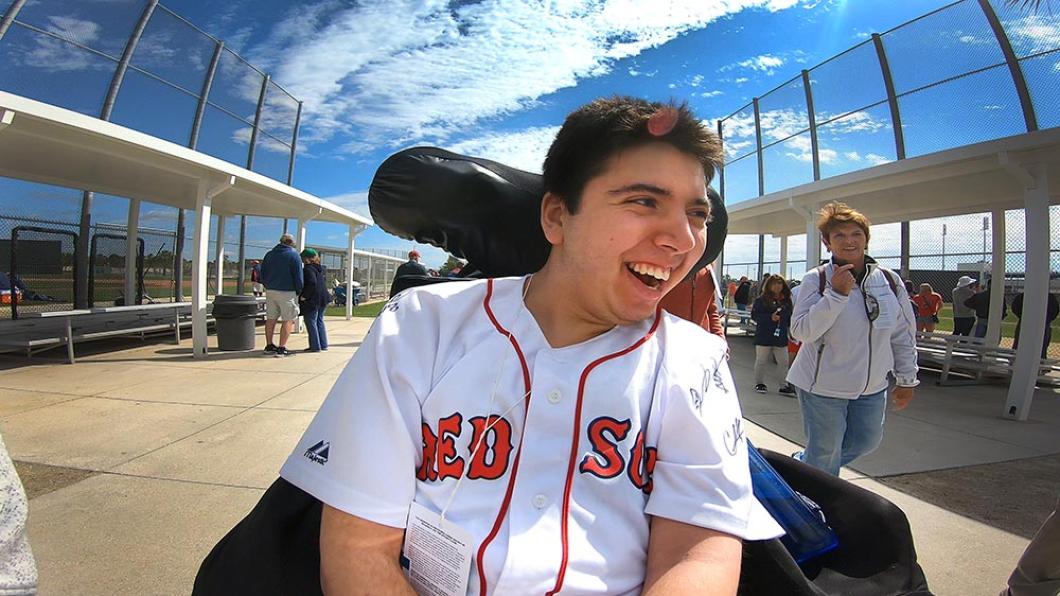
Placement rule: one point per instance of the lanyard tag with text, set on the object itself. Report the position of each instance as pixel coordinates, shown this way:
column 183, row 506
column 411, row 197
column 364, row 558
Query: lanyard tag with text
column 436, row 554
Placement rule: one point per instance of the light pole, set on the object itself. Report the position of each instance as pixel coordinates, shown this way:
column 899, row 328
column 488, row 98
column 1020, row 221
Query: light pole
column 986, row 228
column 943, row 247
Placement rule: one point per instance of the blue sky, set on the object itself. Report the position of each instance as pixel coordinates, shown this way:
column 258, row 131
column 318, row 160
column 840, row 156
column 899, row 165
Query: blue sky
column 496, row 78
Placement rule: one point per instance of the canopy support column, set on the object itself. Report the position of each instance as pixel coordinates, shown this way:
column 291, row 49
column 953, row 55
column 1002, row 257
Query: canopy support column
column 354, row 230
column 132, row 252
column 1035, row 287
column 997, row 277
column 200, row 253
column 813, row 235
column 219, row 257
column 784, row 257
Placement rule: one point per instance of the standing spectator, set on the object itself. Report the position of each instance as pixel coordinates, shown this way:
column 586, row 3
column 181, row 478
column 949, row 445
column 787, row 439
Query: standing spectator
column 742, row 294
column 856, row 321
column 694, row 299
column 980, row 303
column 963, row 316
column 255, row 278
column 281, row 274
column 742, row 297
column 411, row 267
column 927, row 305
column 772, row 313
column 314, row 301
column 1052, row 309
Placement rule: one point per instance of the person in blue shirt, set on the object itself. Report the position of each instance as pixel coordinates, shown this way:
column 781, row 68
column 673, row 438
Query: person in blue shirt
column 281, row 274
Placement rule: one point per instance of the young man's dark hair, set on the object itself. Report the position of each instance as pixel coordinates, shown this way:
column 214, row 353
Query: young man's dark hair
column 594, row 133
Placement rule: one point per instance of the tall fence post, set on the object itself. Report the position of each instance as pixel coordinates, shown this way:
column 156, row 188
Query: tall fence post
column 903, row 259
column 9, row 16
column 1029, row 117
column 758, row 151
column 81, row 299
column 721, row 170
column 892, row 97
column 294, row 151
column 812, row 119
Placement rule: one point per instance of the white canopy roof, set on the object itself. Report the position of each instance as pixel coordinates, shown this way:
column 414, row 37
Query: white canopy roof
column 970, row 179
column 52, row 145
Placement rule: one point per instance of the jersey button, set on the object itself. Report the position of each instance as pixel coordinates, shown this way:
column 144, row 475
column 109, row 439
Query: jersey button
column 554, row 396
column 539, row 501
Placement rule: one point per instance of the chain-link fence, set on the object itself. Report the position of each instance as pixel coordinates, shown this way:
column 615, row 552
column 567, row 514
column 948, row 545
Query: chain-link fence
column 40, row 268
column 182, row 84
column 937, row 82
column 108, row 263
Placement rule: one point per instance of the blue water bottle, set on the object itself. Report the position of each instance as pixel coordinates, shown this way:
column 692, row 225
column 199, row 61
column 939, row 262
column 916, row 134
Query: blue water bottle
column 807, row 533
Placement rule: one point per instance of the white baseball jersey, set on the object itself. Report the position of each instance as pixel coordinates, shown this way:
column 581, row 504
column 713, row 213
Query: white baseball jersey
column 640, row 421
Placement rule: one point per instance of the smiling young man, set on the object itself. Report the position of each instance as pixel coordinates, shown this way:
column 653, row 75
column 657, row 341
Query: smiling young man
column 582, row 439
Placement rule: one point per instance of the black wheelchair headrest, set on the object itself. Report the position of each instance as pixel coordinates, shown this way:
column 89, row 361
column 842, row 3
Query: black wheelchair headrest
column 479, row 210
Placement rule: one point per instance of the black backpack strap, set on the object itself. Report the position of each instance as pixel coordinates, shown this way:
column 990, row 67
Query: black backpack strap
column 820, row 280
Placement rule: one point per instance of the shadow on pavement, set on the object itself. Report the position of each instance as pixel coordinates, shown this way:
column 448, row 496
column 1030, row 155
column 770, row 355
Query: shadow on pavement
column 1014, row 496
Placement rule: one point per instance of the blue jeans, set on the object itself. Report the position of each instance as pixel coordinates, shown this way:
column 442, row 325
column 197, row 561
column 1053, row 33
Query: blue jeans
column 838, row 431
column 314, row 325
column 980, row 327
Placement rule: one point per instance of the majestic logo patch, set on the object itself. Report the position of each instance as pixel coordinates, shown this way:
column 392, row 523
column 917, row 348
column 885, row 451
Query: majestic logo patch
column 319, row 452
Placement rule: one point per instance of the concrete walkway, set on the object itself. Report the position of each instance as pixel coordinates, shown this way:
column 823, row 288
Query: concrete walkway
column 139, row 458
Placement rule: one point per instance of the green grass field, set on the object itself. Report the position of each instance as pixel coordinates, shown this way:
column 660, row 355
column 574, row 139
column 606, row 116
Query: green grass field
column 369, row 310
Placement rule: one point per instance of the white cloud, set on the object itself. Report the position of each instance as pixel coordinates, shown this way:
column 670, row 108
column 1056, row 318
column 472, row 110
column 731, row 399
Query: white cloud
column 1033, row 33
column 696, row 80
column 876, row 159
column 852, row 156
column 522, row 149
column 741, row 80
column 354, row 201
column 765, row 63
column 54, row 55
column 393, row 72
column 713, row 93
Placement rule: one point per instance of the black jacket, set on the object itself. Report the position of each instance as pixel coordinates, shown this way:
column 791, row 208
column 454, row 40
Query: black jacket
column 410, row 267
column 314, row 289
column 742, row 295
column 765, row 327
column 1052, row 307
column 980, row 302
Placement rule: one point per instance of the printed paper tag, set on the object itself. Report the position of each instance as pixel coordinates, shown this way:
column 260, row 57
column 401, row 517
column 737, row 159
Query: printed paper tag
column 436, row 555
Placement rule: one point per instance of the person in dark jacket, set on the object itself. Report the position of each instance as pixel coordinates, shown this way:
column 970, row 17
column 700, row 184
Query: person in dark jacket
column 281, row 274
column 980, row 303
column 313, row 301
column 742, row 295
column 1052, row 309
column 772, row 314
column 411, row 267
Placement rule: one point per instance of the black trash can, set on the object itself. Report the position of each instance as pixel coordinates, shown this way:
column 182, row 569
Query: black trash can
column 235, row 321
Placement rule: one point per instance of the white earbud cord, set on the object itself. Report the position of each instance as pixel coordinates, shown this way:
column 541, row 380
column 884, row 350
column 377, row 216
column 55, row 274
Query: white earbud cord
column 493, row 395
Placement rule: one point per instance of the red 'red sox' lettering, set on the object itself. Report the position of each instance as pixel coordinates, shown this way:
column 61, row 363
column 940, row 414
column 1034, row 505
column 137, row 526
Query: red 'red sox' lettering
column 606, row 460
column 450, row 465
column 610, row 463
column 496, row 446
column 440, row 459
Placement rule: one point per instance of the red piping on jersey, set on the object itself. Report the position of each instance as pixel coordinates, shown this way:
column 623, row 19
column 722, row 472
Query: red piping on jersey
column 574, row 443
column 515, row 466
